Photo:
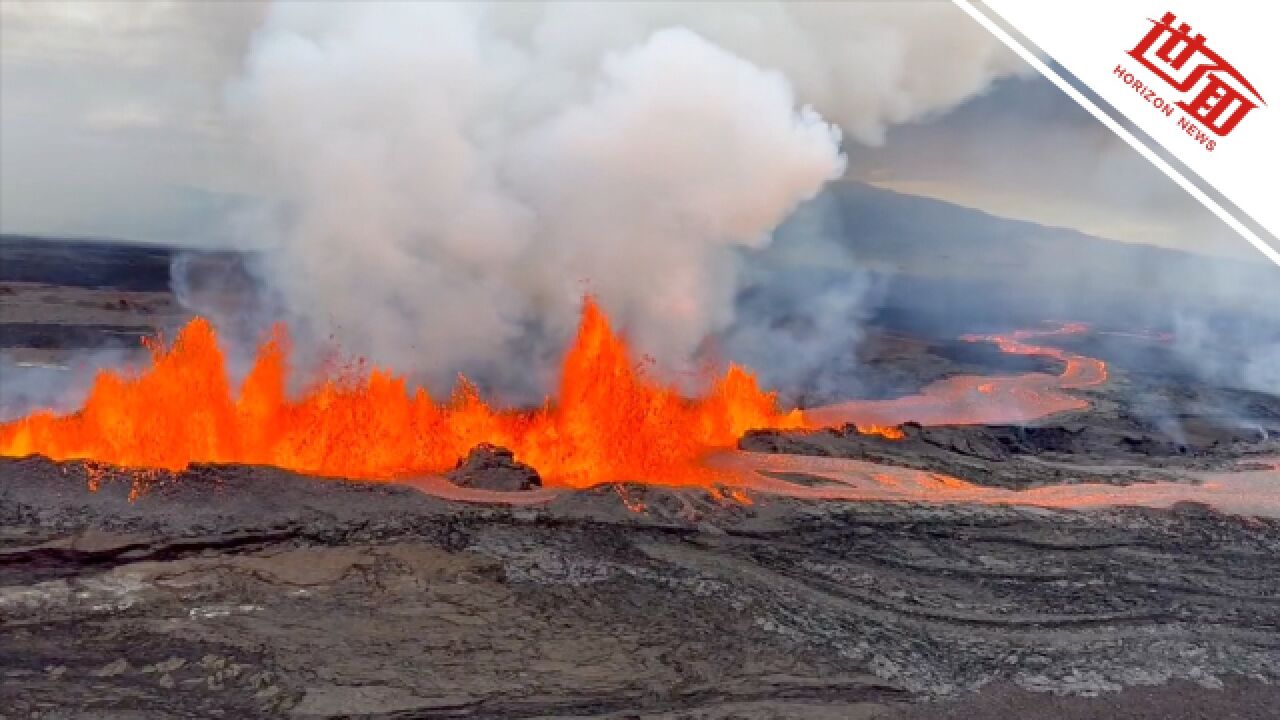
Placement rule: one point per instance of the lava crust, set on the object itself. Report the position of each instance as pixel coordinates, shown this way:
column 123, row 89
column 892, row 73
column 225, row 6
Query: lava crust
column 256, row 592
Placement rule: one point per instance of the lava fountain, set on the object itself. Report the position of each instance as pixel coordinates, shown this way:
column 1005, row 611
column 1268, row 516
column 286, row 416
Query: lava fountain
column 608, row 421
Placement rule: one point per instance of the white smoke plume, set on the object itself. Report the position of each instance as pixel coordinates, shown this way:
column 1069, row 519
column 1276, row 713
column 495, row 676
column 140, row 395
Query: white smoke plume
column 1241, row 357
column 452, row 178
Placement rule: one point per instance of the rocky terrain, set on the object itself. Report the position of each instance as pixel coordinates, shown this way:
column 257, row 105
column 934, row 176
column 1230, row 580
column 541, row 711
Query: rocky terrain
column 1020, row 457
column 243, row 592
column 250, row 592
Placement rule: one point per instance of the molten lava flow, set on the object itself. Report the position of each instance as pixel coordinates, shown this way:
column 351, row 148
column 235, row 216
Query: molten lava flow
column 1244, row 491
column 889, row 432
column 608, row 422
column 972, row 399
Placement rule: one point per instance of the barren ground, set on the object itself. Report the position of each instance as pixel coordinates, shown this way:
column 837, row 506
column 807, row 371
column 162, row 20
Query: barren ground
column 241, row 592
column 252, row 592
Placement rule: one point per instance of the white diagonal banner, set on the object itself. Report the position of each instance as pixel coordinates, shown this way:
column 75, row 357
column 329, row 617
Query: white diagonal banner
column 1199, row 78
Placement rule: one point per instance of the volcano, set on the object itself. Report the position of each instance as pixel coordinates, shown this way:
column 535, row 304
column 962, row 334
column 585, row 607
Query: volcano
column 1016, row 521
column 608, row 422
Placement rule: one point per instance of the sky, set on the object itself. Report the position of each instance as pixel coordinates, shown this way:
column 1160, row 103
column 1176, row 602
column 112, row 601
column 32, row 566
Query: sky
column 115, row 122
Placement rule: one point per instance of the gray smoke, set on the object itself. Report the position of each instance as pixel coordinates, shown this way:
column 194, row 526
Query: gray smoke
column 454, row 177
column 33, row 384
column 803, row 308
column 1242, row 357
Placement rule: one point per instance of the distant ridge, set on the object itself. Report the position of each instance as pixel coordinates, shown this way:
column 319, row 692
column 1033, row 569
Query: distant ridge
column 948, row 261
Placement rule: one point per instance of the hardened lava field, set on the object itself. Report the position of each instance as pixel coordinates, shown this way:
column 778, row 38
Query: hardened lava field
column 977, row 571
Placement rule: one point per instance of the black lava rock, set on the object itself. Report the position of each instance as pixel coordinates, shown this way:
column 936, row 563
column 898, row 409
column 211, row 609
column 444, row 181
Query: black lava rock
column 490, row 467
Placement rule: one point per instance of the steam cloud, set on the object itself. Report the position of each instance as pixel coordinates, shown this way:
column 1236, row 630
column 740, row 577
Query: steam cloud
column 451, row 178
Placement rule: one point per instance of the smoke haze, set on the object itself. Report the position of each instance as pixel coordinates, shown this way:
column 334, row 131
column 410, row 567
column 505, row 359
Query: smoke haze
column 449, row 179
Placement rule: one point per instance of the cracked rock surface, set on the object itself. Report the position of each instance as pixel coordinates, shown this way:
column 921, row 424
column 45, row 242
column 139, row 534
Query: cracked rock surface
column 251, row 592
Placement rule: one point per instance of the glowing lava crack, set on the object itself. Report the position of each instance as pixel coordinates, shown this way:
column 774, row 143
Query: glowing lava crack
column 608, row 422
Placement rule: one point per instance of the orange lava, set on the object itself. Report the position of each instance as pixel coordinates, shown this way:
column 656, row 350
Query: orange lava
column 1247, row 491
column 608, row 421
column 973, row 399
column 889, row 432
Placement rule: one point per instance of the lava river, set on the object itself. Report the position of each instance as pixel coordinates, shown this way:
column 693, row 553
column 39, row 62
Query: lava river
column 1250, row 491
column 979, row 400
column 609, row 421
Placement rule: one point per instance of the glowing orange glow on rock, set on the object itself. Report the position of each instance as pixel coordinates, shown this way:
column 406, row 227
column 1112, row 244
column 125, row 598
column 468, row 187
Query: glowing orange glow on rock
column 608, row 421
column 889, row 432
